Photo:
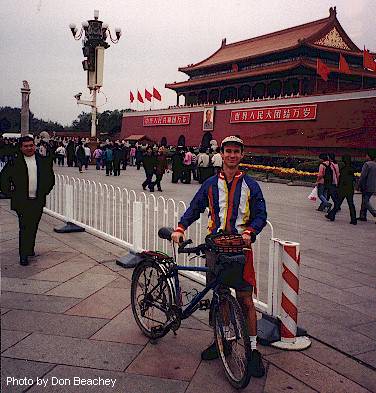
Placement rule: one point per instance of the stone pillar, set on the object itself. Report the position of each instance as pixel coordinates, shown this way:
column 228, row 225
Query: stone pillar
column 25, row 111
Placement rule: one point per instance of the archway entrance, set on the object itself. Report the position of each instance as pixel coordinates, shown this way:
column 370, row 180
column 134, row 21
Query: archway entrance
column 181, row 140
column 205, row 142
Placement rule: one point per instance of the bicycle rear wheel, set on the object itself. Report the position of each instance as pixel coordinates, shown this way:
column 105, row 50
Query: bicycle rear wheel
column 232, row 340
column 151, row 298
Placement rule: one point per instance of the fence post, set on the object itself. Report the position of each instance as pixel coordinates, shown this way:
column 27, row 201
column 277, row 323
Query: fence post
column 68, row 212
column 290, row 263
column 132, row 258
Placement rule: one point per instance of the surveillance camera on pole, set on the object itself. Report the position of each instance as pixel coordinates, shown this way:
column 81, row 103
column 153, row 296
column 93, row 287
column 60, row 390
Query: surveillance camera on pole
column 94, row 34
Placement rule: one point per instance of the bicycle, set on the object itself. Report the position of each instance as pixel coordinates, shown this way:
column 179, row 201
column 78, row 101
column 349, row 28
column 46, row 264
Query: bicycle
column 157, row 305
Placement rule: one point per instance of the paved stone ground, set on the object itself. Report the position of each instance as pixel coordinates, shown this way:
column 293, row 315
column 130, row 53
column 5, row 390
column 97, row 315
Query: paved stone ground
column 68, row 315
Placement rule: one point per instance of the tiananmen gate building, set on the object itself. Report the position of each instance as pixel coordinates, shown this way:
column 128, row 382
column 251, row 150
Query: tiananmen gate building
column 268, row 91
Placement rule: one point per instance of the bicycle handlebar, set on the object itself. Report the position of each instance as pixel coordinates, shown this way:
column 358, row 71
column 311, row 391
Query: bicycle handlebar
column 182, row 249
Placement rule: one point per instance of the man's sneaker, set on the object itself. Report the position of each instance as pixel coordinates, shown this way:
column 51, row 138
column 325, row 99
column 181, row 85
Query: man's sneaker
column 256, row 367
column 210, row 353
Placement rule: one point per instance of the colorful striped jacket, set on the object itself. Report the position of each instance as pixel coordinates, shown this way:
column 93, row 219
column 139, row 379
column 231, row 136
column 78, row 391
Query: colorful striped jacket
column 240, row 209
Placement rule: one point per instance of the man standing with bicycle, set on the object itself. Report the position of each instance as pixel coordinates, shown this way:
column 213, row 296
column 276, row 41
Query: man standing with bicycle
column 236, row 206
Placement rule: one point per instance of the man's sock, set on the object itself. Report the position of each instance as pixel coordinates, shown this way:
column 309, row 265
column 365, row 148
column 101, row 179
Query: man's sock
column 253, row 342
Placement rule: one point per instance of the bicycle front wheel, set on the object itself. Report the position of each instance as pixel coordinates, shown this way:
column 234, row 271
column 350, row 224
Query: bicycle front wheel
column 151, row 298
column 232, row 340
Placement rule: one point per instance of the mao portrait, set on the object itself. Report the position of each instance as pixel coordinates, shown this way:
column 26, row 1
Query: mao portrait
column 208, row 120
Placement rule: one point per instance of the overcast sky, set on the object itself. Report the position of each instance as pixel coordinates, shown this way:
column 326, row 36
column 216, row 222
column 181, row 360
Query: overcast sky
column 158, row 37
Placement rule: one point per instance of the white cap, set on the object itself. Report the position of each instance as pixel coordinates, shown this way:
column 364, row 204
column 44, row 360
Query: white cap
column 232, row 140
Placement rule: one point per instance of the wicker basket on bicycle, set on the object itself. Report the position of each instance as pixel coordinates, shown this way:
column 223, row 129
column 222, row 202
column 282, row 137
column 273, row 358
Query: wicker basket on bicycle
column 230, row 261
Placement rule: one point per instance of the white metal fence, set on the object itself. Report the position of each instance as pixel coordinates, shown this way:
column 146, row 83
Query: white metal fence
column 109, row 212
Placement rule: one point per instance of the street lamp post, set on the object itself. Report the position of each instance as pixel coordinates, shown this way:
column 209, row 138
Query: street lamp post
column 94, row 34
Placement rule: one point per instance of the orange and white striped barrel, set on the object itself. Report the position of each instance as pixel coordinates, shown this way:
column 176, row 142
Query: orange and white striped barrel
column 290, row 265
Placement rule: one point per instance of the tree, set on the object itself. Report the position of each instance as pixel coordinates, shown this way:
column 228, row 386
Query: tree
column 82, row 123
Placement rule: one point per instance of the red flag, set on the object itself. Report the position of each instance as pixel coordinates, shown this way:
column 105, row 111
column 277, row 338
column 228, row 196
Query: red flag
column 131, row 97
column 323, row 70
column 343, row 65
column 148, row 95
column 139, row 97
column 368, row 61
column 156, row 94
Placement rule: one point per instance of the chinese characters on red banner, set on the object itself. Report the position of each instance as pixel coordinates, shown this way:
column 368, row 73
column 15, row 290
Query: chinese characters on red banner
column 167, row 120
column 278, row 113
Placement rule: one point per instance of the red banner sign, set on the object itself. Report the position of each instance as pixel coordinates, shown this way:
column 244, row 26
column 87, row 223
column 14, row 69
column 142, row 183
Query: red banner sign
column 277, row 113
column 167, row 120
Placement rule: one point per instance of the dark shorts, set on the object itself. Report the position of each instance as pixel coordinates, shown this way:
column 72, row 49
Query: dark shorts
column 211, row 259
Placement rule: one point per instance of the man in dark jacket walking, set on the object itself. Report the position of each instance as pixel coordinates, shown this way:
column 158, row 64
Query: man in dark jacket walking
column 345, row 190
column 161, row 167
column 149, row 163
column 27, row 181
column 367, row 185
column 117, row 156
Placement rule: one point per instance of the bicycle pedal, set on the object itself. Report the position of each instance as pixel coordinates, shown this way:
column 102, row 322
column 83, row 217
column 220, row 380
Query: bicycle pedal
column 204, row 304
column 157, row 329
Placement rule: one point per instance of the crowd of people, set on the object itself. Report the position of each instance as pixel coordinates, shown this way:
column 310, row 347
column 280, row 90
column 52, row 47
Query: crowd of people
column 336, row 182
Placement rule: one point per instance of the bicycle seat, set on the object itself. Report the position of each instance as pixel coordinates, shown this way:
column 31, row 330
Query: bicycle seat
column 165, row 233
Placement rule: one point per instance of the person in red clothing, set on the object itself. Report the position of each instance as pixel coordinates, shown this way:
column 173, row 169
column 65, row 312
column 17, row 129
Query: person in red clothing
column 237, row 206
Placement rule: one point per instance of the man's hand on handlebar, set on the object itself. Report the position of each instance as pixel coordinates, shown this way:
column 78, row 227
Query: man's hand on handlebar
column 248, row 239
column 177, row 237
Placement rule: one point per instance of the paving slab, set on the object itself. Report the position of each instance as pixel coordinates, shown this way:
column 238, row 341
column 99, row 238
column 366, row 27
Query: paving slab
column 74, row 352
column 122, row 329
column 368, row 293
column 12, row 284
column 331, row 311
column 106, row 303
column 210, row 378
column 367, row 308
column 369, row 358
column 123, row 382
column 100, row 269
column 325, row 291
column 56, row 324
column 345, row 339
column 11, row 337
column 314, row 374
column 15, row 270
column 82, row 285
column 331, row 279
column 342, row 364
column 164, row 359
column 19, row 369
column 368, row 329
column 54, row 257
column 65, row 270
column 279, row 381
column 23, row 301
column 120, row 282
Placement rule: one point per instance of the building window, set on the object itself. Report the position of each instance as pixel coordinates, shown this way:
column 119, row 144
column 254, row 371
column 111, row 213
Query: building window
column 291, row 86
column 274, row 89
column 258, row 90
column 228, row 94
column 214, row 96
column 202, row 97
column 244, row 92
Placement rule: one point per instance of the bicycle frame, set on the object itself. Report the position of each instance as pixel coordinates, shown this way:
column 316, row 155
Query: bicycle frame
column 193, row 305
